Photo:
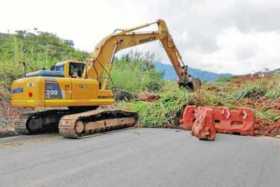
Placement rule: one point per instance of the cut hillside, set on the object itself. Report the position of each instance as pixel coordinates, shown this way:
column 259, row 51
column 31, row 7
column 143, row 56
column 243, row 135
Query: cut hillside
column 259, row 93
column 29, row 51
column 8, row 115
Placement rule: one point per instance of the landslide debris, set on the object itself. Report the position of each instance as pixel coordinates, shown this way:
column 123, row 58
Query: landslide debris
column 259, row 93
column 8, row 115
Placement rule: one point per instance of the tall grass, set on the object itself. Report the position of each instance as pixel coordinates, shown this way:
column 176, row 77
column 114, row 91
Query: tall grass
column 133, row 75
column 251, row 91
column 164, row 112
column 273, row 93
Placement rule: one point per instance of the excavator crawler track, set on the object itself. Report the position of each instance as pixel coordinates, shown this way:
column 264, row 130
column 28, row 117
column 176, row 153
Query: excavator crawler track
column 39, row 122
column 100, row 120
column 20, row 125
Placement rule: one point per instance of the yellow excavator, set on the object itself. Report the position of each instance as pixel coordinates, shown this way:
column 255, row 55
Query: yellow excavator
column 75, row 94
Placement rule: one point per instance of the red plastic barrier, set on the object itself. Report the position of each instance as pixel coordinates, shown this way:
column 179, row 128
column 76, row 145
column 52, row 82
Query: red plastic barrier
column 240, row 120
column 203, row 127
column 188, row 117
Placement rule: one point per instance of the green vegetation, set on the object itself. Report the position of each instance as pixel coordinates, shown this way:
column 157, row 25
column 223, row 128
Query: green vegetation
column 268, row 88
column 267, row 114
column 135, row 72
column 32, row 50
column 251, row 91
column 224, row 79
column 274, row 91
column 260, row 95
column 164, row 112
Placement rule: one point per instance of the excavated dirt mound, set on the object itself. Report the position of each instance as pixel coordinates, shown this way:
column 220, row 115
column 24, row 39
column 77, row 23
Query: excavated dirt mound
column 258, row 102
column 8, row 115
column 263, row 128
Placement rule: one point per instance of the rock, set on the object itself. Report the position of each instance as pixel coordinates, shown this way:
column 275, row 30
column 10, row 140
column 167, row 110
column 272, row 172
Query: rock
column 122, row 95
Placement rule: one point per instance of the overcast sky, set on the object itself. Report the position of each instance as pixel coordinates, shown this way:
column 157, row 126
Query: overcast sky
column 235, row 36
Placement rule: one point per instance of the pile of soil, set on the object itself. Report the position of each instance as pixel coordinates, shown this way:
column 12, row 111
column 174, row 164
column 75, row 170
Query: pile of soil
column 8, row 116
column 265, row 103
column 263, row 128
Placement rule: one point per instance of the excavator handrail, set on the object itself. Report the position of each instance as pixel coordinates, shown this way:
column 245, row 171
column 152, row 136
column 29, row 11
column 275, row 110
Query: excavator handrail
column 138, row 27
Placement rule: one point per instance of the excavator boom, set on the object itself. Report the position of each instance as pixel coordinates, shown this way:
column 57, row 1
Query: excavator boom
column 103, row 54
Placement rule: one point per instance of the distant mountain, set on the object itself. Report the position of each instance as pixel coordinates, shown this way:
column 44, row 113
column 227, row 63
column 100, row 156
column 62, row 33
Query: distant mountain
column 169, row 73
column 276, row 70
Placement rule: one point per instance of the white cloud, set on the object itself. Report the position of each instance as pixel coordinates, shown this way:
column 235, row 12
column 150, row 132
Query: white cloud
column 241, row 52
column 234, row 36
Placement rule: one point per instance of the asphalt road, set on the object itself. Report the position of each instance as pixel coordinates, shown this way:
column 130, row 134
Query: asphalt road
column 139, row 157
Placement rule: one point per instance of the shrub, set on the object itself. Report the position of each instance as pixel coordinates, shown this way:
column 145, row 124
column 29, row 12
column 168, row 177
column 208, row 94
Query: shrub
column 135, row 75
column 267, row 114
column 164, row 112
column 251, row 91
column 273, row 93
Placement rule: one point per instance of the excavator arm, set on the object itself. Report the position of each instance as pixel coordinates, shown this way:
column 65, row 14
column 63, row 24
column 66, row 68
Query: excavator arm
column 102, row 57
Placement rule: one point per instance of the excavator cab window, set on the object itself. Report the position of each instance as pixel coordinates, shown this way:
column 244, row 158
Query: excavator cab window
column 76, row 69
column 58, row 68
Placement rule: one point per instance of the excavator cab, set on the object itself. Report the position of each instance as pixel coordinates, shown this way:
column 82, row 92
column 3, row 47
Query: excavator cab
column 76, row 69
column 72, row 69
column 68, row 68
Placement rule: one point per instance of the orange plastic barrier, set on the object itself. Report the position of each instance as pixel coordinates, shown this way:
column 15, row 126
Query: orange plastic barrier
column 203, row 127
column 240, row 121
column 188, row 117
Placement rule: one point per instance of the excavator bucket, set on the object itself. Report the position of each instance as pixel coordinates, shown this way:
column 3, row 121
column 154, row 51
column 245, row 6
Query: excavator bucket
column 190, row 83
column 196, row 84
